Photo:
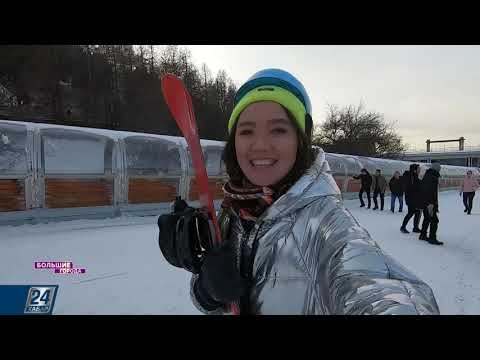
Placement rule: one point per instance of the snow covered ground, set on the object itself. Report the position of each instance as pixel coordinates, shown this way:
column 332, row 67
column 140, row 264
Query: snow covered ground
column 126, row 273
column 452, row 270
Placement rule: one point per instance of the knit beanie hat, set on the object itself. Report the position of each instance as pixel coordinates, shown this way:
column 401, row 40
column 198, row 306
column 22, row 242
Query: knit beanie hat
column 278, row 86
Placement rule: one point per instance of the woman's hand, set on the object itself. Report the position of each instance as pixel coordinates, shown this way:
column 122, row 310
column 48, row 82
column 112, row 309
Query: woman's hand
column 185, row 236
column 220, row 281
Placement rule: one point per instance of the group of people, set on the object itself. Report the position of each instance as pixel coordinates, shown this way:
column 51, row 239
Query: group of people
column 421, row 196
column 379, row 186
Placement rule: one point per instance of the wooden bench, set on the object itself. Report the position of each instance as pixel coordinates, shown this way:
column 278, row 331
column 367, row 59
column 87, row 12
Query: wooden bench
column 354, row 186
column 68, row 193
column 143, row 191
column 12, row 195
column 214, row 185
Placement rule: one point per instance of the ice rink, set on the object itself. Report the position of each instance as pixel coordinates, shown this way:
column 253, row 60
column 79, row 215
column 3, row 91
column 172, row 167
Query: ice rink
column 126, row 273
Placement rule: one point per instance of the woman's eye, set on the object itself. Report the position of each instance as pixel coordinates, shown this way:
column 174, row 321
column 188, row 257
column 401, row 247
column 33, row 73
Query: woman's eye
column 279, row 131
column 246, row 132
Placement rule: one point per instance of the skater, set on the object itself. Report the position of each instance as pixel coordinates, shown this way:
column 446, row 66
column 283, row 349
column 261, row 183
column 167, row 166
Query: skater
column 468, row 187
column 411, row 184
column 290, row 246
column 379, row 185
column 429, row 191
column 396, row 189
column 366, row 183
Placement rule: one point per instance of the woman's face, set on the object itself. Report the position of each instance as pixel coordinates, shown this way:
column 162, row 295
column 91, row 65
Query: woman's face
column 265, row 143
column 469, row 174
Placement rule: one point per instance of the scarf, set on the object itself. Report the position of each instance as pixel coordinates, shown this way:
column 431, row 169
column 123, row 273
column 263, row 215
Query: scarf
column 250, row 201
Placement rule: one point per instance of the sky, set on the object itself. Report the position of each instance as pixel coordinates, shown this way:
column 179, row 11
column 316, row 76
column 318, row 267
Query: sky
column 429, row 92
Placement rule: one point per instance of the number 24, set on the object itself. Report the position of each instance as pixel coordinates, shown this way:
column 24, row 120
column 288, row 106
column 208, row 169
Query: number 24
column 36, row 294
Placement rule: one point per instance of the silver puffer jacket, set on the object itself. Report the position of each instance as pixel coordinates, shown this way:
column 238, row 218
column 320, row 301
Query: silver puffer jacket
column 312, row 257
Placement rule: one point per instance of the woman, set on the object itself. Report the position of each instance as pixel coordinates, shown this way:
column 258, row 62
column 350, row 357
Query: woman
column 290, row 246
column 366, row 182
column 468, row 186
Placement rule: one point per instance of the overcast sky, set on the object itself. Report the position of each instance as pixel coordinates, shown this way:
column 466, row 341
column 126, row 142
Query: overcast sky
column 431, row 92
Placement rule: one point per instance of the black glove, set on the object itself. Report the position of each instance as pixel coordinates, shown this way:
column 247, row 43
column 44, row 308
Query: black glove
column 220, row 281
column 185, row 236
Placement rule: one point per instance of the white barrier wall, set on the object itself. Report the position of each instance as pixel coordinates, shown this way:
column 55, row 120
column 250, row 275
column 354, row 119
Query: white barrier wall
column 53, row 172
column 15, row 168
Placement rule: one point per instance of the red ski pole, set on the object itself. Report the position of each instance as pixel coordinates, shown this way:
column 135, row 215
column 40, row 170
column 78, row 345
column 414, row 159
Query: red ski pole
column 180, row 104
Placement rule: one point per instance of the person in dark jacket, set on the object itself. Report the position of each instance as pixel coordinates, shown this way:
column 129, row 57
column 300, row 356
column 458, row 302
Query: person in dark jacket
column 429, row 191
column 411, row 184
column 366, row 180
column 396, row 188
column 379, row 185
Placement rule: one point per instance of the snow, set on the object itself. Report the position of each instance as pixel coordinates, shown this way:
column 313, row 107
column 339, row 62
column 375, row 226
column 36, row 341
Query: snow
column 452, row 269
column 126, row 273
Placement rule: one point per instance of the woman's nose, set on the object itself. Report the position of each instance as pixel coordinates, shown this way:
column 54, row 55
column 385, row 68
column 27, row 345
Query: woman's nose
column 260, row 143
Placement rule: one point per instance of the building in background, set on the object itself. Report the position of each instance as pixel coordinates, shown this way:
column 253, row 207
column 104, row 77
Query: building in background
column 470, row 157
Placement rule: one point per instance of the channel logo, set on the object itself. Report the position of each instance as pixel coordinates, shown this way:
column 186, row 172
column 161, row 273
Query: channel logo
column 40, row 300
column 27, row 299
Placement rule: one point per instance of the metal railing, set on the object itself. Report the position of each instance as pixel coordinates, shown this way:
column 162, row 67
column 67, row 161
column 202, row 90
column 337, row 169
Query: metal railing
column 440, row 148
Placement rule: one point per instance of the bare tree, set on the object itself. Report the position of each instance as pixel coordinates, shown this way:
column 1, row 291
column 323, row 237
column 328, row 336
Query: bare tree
column 141, row 56
column 170, row 60
column 207, row 79
column 221, row 87
column 152, row 60
column 353, row 130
